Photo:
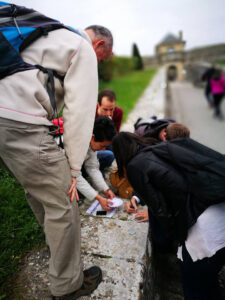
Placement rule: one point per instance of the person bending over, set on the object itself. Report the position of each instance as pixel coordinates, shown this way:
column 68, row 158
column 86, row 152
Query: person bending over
column 48, row 174
column 103, row 133
column 172, row 131
column 180, row 214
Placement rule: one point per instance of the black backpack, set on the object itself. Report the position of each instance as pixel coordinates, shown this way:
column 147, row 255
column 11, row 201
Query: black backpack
column 151, row 126
column 141, row 125
column 19, row 27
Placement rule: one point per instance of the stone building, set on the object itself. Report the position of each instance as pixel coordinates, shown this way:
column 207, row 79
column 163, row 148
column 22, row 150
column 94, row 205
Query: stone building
column 170, row 53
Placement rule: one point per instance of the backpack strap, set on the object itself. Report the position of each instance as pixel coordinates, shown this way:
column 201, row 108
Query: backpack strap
column 50, row 86
column 39, row 32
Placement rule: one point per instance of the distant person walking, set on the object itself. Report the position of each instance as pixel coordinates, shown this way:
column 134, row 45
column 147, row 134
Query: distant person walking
column 217, row 84
column 207, row 75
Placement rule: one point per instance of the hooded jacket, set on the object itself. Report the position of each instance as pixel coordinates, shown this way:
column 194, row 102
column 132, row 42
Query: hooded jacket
column 162, row 189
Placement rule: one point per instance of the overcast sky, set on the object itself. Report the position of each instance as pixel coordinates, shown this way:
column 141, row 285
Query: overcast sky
column 145, row 22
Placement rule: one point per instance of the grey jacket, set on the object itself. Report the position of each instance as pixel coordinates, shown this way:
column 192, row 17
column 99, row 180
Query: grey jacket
column 91, row 166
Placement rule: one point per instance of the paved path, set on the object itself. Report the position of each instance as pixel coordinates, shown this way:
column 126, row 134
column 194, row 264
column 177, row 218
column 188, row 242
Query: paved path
column 190, row 108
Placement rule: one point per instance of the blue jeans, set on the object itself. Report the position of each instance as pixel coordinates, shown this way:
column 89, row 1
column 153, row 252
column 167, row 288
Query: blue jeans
column 105, row 158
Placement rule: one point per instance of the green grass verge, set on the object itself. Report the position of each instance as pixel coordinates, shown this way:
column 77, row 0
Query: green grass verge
column 19, row 230
column 129, row 88
column 220, row 62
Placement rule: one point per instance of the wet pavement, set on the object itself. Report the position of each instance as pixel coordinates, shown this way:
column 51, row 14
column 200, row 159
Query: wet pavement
column 189, row 106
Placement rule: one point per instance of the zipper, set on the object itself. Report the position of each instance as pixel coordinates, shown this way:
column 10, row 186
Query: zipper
column 14, row 15
column 20, row 34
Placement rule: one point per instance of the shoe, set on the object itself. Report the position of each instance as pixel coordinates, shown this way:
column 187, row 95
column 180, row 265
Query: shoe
column 92, row 278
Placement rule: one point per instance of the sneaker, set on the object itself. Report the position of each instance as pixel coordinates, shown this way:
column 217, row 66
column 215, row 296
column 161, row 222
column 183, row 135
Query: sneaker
column 92, row 278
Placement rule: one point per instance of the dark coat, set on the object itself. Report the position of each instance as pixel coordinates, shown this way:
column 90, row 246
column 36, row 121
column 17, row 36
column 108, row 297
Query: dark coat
column 164, row 188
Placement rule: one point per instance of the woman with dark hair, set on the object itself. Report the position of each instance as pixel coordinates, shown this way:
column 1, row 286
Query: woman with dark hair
column 198, row 230
column 131, row 143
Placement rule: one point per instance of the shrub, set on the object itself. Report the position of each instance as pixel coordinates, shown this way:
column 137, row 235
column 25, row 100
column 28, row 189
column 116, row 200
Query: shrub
column 116, row 66
column 136, row 54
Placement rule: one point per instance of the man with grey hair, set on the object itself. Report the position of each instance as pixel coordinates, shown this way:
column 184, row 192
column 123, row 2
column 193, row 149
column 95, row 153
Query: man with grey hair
column 28, row 150
column 102, row 41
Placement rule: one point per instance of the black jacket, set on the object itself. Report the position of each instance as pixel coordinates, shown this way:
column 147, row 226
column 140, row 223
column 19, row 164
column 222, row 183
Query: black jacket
column 164, row 188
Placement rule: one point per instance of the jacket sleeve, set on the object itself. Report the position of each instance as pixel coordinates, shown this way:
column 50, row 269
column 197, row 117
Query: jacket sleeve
column 92, row 168
column 85, row 188
column 80, row 96
column 140, row 181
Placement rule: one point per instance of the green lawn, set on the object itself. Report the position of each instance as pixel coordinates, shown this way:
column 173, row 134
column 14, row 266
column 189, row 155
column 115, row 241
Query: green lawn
column 19, row 230
column 221, row 62
column 129, row 88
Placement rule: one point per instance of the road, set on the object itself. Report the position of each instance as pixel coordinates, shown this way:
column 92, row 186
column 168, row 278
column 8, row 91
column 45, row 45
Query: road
column 189, row 107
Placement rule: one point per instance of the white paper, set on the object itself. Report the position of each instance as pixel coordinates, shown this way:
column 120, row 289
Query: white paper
column 116, row 202
column 92, row 210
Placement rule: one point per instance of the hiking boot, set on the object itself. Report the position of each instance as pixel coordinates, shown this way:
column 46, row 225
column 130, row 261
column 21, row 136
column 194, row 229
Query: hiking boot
column 92, row 278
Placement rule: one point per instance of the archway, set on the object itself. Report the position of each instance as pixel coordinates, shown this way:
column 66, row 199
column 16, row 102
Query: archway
column 172, row 73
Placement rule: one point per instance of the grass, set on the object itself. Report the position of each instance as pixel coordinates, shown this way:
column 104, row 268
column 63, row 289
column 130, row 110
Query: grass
column 129, row 88
column 19, row 230
column 221, row 62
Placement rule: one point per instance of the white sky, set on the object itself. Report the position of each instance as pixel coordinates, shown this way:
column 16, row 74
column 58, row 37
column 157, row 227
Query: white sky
column 144, row 22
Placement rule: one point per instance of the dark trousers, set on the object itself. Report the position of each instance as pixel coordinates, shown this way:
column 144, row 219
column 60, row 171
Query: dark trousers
column 208, row 93
column 200, row 278
column 217, row 103
column 161, row 242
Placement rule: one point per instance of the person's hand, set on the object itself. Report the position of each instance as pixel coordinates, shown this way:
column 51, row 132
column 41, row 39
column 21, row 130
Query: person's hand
column 141, row 216
column 131, row 206
column 109, row 194
column 104, row 202
column 73, row 191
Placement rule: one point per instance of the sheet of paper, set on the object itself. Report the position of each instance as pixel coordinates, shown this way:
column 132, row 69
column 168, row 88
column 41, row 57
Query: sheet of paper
column 116, row 202
column 92, row 210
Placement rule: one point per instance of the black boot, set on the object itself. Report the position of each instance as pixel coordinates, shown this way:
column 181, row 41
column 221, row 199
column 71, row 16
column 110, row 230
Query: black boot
column 92, row 278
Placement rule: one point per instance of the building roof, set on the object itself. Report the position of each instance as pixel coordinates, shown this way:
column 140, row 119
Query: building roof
column 170, row 38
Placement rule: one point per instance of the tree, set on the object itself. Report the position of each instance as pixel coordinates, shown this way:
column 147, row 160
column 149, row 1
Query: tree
column 137, row 56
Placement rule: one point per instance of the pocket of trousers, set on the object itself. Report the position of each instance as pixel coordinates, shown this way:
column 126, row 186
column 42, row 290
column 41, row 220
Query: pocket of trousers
column 50, row 152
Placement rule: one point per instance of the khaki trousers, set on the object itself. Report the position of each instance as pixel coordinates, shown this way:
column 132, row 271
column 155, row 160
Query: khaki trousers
column 41, row 167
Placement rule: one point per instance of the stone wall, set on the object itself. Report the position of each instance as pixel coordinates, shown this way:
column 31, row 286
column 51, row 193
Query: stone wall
column 206, row 54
